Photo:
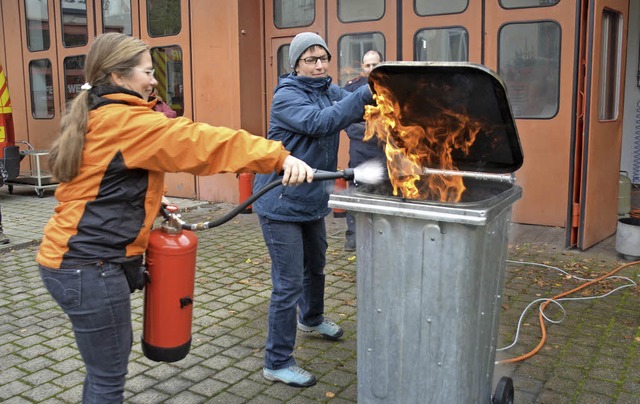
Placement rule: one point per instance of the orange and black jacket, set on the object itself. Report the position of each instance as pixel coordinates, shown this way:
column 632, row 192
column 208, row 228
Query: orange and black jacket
column 105, row 213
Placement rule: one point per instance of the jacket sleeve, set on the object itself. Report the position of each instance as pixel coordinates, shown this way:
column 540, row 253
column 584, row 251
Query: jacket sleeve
column 355, row 131
column 303, row 113
column 154, row 142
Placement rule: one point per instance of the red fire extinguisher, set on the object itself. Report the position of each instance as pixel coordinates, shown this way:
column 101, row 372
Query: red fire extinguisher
column 341, row 185
column 245, row 183
column 168, row 297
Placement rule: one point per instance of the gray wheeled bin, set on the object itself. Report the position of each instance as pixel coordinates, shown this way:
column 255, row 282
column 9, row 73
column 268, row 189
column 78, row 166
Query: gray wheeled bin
column 430, row 274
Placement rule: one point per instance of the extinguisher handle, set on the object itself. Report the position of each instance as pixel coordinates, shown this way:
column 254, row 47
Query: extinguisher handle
column 320, row 175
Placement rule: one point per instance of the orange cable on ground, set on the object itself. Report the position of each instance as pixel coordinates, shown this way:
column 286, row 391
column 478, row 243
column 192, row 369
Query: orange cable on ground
column 544, row 305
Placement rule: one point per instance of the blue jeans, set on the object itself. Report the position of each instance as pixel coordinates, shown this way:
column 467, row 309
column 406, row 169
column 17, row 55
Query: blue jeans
column 97, row 299
column 297, row 251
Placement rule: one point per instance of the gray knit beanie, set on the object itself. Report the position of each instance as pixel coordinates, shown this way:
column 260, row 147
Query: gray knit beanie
column 301, row 43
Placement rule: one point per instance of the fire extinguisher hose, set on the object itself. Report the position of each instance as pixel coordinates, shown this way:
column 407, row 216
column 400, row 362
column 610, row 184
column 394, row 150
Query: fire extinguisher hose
column 318, row 175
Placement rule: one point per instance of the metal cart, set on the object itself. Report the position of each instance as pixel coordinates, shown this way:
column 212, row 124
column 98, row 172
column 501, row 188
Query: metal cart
column 36, row 178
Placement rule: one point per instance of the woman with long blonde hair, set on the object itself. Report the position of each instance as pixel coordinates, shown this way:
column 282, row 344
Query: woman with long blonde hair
column 111, row 156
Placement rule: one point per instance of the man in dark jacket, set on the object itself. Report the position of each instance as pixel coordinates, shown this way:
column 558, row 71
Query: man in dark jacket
column 359, row 150
column 307, row 115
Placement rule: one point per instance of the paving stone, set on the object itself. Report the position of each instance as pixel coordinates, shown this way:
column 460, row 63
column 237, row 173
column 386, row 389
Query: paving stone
column 231, row 375
column 209, row 387
column 185, row 397
column 13, row 388
column 173, row 386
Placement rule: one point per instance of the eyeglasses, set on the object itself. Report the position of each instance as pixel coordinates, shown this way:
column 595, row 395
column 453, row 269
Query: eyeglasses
column 148, row 72
column 312, row 60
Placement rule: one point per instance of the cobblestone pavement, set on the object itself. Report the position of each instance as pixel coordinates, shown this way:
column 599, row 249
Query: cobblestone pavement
column 592, row 356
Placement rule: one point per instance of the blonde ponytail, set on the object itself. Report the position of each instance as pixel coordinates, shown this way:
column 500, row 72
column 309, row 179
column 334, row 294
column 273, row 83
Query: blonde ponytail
column 65, row 157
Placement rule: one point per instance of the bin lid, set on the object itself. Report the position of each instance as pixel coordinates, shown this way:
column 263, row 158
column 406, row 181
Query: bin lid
column 427, row 91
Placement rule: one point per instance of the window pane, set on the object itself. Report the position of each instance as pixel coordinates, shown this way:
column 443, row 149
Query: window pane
column 443, row 45
column 528, row 3
column 74, row 23
column 283, row 61
column 163, row 17
column 529, row 63
column 351, row 49
column 437, row 7
column 41, row 88
column 73, row 76
column 293, row 13
column 167, row 61
column 610, row 65
column 37, row 25
column 360, row 10
column 116, row 16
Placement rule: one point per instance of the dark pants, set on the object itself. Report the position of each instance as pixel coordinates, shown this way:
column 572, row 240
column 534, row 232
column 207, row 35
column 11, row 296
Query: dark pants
column 97, row 300
column 297, row 251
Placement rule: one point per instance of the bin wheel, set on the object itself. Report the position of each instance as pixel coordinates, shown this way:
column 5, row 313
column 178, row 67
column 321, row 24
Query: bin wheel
column 504, row 391
column 10, row 188
column 40, row 192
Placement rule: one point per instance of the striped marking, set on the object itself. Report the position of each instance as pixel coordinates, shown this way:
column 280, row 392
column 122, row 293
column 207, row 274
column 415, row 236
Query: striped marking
column 5, row 101
column 160, row 59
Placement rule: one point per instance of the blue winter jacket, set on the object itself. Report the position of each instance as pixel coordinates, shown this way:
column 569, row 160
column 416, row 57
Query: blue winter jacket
column 307, row 115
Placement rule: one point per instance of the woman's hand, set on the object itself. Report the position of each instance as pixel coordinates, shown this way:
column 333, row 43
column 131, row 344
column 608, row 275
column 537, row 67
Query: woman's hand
column 296, row 171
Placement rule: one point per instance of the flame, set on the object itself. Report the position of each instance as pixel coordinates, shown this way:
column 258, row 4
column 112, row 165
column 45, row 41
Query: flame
column 420, row 134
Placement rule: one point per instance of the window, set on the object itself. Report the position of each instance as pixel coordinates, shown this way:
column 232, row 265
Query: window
column 283, row 60
column 528, row 3
column 73, row 76
column 74, row 23
column 37, row 25
column 41, row 88
column 167, row 61
column 164, row 17
column 438, row 7
column 293, row 13
column 116, row 16
column 444, row 45
column 610, row 65
column 529, row 64
column 360, row 10
column 351, row 48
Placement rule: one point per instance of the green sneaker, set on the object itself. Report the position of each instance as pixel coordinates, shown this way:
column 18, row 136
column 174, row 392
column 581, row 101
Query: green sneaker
column 326, row 328
column 293, row 376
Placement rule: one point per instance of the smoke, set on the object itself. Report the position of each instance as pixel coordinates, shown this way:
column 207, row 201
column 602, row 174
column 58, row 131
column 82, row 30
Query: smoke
column 370, row 172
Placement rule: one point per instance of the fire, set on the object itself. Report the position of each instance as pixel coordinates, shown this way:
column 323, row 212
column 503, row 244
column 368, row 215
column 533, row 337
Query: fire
column 420, row 134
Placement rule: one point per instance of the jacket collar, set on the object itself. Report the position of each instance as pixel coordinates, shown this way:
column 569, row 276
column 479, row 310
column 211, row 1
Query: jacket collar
column 103, row 95
column 306, row 83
